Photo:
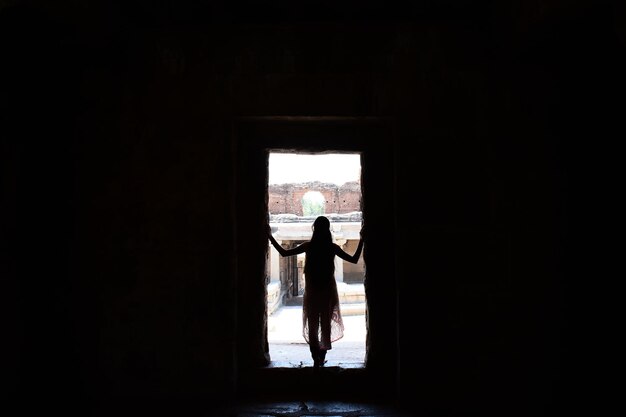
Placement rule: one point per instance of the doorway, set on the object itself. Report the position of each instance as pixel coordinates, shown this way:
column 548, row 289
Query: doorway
column 370, row 138
column 302, row 186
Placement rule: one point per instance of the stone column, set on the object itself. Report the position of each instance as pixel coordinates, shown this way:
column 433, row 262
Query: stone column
column 339, row 262
column 274, row 263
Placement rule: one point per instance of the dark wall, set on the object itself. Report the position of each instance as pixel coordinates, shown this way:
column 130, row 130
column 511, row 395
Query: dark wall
column 120, row 217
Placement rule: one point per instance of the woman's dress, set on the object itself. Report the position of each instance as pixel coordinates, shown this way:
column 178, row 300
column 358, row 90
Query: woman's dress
column 321, row 313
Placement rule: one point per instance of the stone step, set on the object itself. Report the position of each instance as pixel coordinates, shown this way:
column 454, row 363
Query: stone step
column 352, row 309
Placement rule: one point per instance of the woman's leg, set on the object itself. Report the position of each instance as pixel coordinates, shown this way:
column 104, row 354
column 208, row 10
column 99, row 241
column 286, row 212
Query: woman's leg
column 314, row 342
column 325, row 343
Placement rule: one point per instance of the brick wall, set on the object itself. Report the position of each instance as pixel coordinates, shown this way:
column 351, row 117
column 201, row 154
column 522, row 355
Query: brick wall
column 287, row 198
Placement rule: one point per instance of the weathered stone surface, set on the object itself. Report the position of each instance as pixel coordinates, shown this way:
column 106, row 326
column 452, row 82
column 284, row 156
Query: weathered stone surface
column 339, row 199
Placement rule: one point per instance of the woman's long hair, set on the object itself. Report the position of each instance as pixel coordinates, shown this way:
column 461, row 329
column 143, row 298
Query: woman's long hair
column 320, row 257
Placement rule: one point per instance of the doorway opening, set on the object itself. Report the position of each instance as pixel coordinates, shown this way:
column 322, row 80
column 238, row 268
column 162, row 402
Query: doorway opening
column 302, row 186
column 257, row 373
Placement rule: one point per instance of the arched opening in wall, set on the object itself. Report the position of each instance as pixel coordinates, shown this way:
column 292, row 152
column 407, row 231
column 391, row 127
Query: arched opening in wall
column 313, row 204
column 301, row 187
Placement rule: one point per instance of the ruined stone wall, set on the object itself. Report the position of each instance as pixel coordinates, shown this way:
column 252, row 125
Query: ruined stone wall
column 287, row 198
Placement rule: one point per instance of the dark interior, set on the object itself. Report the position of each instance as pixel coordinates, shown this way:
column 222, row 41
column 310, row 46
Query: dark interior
column 134, row 172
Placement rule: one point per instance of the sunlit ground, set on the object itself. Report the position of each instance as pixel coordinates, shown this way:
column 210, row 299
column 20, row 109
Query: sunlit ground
column 288, row 347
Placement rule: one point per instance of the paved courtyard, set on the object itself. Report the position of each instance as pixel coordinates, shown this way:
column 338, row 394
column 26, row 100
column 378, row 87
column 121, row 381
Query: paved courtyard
column 289, row 349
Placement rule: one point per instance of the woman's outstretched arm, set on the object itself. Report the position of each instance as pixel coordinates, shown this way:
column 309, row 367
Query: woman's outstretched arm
column 351, row 258
column 286, row 252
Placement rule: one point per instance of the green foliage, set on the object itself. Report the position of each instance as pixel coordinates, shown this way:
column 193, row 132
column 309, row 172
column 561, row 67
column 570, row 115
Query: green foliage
column 311, row 207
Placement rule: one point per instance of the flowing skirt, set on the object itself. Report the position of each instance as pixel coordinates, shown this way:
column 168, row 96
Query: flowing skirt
column 321, row 315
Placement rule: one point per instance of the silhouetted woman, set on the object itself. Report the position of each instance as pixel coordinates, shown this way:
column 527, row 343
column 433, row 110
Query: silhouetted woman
column 321, row 315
